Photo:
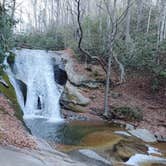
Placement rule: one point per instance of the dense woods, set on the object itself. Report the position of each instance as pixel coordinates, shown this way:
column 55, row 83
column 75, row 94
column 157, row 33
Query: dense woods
column 124, row 35
column 83, row 82
column 138, row 29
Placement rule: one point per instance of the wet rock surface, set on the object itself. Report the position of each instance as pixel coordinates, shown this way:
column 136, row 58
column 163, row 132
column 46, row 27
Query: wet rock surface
column 143, row 134
column 20, row 157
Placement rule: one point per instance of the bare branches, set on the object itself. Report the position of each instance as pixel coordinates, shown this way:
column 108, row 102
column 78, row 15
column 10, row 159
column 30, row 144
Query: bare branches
column 81, row 35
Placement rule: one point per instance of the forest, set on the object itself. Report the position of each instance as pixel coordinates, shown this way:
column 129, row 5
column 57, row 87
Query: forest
column 126, row 34
column 113, row 65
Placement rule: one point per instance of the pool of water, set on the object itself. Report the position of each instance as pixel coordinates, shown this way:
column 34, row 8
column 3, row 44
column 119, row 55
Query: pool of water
column 96, row 138
column 66, row 133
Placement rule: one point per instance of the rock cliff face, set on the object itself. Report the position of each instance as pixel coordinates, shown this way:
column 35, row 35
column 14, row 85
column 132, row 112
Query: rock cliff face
column 72, row 98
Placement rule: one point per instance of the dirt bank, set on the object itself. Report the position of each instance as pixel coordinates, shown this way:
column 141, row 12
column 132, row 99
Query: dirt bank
column 12, row 131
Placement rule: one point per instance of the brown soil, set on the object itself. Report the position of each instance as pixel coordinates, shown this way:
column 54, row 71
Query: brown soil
column 12, row 131
column 135, row 92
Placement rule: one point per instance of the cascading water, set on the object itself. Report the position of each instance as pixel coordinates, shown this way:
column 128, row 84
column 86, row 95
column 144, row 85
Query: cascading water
column 41, row 95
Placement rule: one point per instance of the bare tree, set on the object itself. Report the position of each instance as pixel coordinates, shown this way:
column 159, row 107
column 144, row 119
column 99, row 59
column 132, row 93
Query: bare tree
column 161, row 32
column 13, row 9
column 149, row 17
column 128, row 19
column 139, row 14
column 113, row 23
column 112, row 27
column 81, row 35
column 34, row 3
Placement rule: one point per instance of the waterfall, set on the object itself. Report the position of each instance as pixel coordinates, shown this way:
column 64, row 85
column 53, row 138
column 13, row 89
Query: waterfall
column 35, row 70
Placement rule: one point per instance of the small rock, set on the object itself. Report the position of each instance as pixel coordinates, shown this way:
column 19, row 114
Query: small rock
column 143, row 134
column 122, row 133
column 129, row 127
column 93, row 155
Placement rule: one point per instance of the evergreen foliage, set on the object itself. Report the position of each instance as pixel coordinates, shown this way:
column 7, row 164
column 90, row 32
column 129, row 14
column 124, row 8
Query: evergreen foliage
column 6, row 25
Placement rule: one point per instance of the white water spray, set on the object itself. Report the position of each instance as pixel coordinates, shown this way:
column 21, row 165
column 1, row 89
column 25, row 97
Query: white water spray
column 35, row 69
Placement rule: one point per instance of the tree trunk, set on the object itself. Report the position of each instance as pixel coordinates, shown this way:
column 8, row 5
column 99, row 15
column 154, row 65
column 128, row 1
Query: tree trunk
column 161, row 26
column 107, row 88
column 128, row 18
column 139, row 14
column 149, row 18
column 162, row 23
column 112, row 16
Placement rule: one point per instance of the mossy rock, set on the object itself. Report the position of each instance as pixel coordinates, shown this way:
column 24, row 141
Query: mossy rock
column 128, row 113
column 11, row 95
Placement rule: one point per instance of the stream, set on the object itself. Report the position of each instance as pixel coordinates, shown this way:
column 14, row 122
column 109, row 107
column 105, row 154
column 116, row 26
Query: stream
column 98, row 143
column 92, row 142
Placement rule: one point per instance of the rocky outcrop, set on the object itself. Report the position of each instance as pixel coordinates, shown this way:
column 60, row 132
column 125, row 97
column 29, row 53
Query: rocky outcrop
column 73, row 95
column 73, row 76
column 72, row 99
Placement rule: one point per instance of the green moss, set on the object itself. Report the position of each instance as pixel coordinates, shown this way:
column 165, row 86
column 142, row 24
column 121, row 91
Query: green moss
column 11, row 95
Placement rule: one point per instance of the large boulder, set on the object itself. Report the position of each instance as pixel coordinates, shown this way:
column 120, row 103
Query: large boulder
column 74, row 77
column 73, row 95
